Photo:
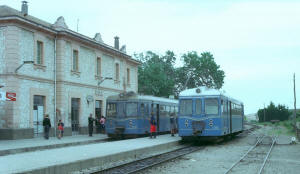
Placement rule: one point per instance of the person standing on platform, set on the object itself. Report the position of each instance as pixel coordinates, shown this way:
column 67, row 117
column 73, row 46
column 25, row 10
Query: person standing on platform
column 172, row 124
column 60, row 129
column 91, row 124
column 152, row 126
column 47, row 126
column 102, row 122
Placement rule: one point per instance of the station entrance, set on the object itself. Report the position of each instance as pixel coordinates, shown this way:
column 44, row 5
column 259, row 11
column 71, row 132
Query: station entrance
column 75, row 108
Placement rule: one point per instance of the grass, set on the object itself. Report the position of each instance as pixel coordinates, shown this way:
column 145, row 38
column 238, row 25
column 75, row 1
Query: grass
column 280, row 128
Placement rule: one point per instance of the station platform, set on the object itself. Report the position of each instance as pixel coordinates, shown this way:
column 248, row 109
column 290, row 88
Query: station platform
column 80, row 159
column 8, row 147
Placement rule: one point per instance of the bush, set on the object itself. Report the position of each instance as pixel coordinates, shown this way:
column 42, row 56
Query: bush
column 273, row 112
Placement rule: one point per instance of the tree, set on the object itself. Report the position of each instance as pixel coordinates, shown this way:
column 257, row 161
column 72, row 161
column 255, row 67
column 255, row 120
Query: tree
column 156, row 74
column 199, row 71
column 273, row 112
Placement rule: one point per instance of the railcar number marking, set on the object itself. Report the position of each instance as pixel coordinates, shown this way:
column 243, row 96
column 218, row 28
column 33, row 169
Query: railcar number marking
column 186, row 123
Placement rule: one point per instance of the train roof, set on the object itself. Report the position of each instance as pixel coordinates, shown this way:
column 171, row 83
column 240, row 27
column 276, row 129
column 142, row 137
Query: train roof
column 204, row 91
column 123, row 97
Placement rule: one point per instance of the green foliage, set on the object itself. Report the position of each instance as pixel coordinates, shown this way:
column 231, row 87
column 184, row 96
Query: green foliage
column 199, row 71
column 158, row 76
column 273, row 112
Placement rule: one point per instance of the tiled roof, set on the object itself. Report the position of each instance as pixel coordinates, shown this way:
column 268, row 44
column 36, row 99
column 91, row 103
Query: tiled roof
column 6, row 11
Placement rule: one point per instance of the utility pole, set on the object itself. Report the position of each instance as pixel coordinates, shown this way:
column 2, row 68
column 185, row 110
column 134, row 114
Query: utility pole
column 264, row 113
column 294, row 102
column 77, row 25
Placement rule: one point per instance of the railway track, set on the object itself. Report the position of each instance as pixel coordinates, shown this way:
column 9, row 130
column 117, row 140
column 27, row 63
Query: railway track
column 139, row 165
column 258, row 153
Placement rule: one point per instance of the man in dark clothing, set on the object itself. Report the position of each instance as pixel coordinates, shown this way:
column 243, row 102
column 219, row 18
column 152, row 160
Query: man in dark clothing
column 172, row 125
column 91, row 125
column 47, row 126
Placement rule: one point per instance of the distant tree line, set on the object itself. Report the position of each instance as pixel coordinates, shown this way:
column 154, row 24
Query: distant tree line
column 273, row 112
column 158, row 75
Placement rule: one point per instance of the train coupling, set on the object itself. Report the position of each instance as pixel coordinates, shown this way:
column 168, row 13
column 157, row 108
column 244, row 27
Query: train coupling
column 198, row 127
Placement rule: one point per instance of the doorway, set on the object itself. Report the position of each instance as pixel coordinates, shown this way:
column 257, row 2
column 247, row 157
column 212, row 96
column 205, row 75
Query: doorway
column 38, row 114
column 75, row 108
column 98, row 114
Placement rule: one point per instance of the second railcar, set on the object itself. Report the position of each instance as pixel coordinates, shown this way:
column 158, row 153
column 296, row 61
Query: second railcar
column 128, row 115
column 205, row 112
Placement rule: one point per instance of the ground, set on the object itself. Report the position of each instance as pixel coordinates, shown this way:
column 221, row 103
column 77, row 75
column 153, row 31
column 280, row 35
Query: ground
column 217, row 158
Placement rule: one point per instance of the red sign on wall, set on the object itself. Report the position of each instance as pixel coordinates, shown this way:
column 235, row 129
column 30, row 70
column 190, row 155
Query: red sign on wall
column 10, row 96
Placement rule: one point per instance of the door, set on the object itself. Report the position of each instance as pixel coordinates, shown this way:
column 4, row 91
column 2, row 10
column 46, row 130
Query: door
column 98, row 114
column 38, row 114
column 75, row 108
column 98, row 109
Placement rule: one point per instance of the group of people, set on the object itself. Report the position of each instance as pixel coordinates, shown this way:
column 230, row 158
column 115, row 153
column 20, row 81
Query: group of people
column 153, row 125
column 100, row 124
column 47, row 126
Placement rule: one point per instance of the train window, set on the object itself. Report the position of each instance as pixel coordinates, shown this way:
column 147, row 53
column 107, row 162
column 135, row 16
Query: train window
column 142, row 109
column 162, row 110
column 186, row 107
column 224, row 107
column 111, row 110
column 168, row 111
column 121, row 109
column 198, row 106
column 131, row 109
column 211, row 106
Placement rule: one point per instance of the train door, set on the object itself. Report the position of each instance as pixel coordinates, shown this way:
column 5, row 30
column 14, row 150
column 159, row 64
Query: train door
column 230, row 118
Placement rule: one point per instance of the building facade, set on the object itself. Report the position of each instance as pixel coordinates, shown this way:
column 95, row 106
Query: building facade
column 54, row 70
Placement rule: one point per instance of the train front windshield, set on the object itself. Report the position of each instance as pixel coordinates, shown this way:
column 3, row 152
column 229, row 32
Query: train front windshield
column 186, row 107
column 211, row 106
column 131, row 109
column 111, row 110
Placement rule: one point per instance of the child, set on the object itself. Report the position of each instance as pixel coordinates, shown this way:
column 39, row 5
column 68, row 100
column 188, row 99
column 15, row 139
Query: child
column 60, row 129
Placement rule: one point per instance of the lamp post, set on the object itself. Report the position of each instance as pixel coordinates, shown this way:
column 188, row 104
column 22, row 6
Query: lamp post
column 101, row 81
column 24, row 62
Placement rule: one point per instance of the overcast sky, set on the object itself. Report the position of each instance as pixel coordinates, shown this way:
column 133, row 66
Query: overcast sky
column 256, row 43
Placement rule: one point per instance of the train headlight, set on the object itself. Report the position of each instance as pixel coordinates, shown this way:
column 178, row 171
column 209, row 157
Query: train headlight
column 130, row 123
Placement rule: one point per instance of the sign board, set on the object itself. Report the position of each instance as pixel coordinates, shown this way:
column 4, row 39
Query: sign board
column 10, row 96
column 2, row 95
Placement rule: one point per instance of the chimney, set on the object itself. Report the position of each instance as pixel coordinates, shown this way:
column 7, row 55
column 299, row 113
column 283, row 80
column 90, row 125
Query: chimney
column 24, row 8
column 117, row 42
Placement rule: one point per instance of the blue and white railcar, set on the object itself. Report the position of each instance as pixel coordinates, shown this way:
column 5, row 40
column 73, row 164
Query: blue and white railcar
column 128, row 115
column 205, row 112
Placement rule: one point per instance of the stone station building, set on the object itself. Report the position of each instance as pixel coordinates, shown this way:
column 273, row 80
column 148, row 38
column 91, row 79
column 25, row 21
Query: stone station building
column 54, row 70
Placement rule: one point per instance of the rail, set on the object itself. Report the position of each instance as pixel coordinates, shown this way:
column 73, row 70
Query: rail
column 139, row 165
column 266, row 158
column 258, row 142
